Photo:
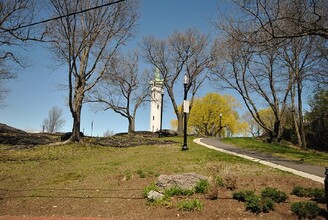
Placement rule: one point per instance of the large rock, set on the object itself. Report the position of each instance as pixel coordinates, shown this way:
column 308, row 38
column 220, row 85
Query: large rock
column 184, row 181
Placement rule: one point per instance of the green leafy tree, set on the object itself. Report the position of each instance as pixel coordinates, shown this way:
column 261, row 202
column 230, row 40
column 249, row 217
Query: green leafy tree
column 205, row 115
column 317, row 120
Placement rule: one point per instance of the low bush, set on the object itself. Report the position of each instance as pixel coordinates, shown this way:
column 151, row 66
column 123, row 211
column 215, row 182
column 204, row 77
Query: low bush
column 141, row 173
column 257, row 204
column 274, row 194
column 316, row 193
column 242, row 195
column 177, row 191
column 149, row 188
column 191, row 205
column 218, row 181
column 305, row 210
column 202, row 186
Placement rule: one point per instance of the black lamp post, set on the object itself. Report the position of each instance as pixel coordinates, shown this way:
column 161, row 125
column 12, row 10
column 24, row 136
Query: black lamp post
column 220, row 124
column 185, row 110
column 162, row 96
column 326, row 186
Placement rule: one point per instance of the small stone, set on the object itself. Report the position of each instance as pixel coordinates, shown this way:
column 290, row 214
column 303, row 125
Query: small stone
column 154, row 195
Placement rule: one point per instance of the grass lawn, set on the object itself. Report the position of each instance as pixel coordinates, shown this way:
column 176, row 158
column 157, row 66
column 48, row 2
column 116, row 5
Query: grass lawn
column 93, row 181
column 307, row 156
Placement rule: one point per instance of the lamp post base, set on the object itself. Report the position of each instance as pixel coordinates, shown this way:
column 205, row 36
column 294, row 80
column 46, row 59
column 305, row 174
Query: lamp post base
column 184, row 147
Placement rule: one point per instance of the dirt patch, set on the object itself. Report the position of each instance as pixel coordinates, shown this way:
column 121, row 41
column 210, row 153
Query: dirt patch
column 125, row 201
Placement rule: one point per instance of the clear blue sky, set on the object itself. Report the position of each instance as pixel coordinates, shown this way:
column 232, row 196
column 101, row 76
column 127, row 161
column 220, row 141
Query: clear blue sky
column 37, row 89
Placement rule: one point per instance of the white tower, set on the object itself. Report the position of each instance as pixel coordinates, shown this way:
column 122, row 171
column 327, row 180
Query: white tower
column 156, row 102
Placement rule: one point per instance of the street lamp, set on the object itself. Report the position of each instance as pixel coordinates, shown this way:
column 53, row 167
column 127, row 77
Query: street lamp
column 220, row 124
column 185, row 111
column 162, row 96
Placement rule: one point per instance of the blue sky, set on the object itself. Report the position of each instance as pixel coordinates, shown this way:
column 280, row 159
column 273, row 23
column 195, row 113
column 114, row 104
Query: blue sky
column 37, row 88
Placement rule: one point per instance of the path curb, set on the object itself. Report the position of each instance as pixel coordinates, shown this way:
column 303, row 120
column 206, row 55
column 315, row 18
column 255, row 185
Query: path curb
column 273, row 165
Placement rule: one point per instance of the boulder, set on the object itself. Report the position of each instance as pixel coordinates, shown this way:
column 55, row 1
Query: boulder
column 184, row 181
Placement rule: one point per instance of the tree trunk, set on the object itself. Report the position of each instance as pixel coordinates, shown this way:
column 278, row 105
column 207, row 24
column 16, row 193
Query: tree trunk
column 76, row 136
column 294, row 115
column 76, row 110
column 300, row 117
column 131, row 128
column 180, row 123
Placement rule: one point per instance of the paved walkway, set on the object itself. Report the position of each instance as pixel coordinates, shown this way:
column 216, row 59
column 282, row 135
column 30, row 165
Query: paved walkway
column 316, row 173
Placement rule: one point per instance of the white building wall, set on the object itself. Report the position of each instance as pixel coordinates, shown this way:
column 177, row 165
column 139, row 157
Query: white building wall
column 155, row 107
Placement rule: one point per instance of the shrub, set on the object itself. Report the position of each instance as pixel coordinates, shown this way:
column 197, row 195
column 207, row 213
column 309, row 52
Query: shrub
column 242, row 195
column 202, row 186
column 231, row 182
column 300, row 191
column 141, row 174
column 177, row 191
column 274, row 194
column 149, row 188
column 318, row 194
column 191, row 205
column 304, row 210
column 257, row 204
column 218, row 181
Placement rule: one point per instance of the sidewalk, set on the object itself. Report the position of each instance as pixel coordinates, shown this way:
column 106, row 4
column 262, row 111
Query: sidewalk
column 315, row 173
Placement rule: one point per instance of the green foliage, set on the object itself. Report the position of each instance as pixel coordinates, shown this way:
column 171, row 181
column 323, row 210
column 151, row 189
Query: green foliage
column 149, row 188
column 257, row 204
column 202, row 186
column 260, row 203
column 141, row 174
column 241, row 196
column 205, row 115
column 177, row 191
column 219, row 181
column 274, row 194
column 309, row 192
column 317, row 132
column 305, row 210
column 191, row 205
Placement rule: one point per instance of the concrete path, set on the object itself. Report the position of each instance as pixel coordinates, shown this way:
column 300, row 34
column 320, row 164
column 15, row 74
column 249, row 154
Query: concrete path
column 316, row 173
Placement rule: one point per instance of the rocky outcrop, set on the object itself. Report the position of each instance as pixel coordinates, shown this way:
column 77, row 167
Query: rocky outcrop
column 183, row 181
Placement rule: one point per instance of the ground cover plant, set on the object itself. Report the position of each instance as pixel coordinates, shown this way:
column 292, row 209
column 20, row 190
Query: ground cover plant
column 281, row 150
column 103, row 181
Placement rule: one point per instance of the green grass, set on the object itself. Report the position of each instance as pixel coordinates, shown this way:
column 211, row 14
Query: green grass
column 75, row 166
column 307, row 156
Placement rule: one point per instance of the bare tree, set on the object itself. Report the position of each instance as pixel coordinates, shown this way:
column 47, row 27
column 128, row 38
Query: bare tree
column 15, row 17
column 54, row 121
column 257, row 75
column 123, row 89
column 86, row 42
column 253, row 128
column 187, row 52
column 266, row 58
column 302, row 58
column 286, row 18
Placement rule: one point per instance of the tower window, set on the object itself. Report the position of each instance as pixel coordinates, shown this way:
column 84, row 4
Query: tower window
column 153, row 118
column 157, row 106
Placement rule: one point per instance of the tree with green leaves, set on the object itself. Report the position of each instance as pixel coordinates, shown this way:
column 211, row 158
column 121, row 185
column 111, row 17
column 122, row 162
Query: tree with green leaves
column 212, row 113
column 317, row 120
